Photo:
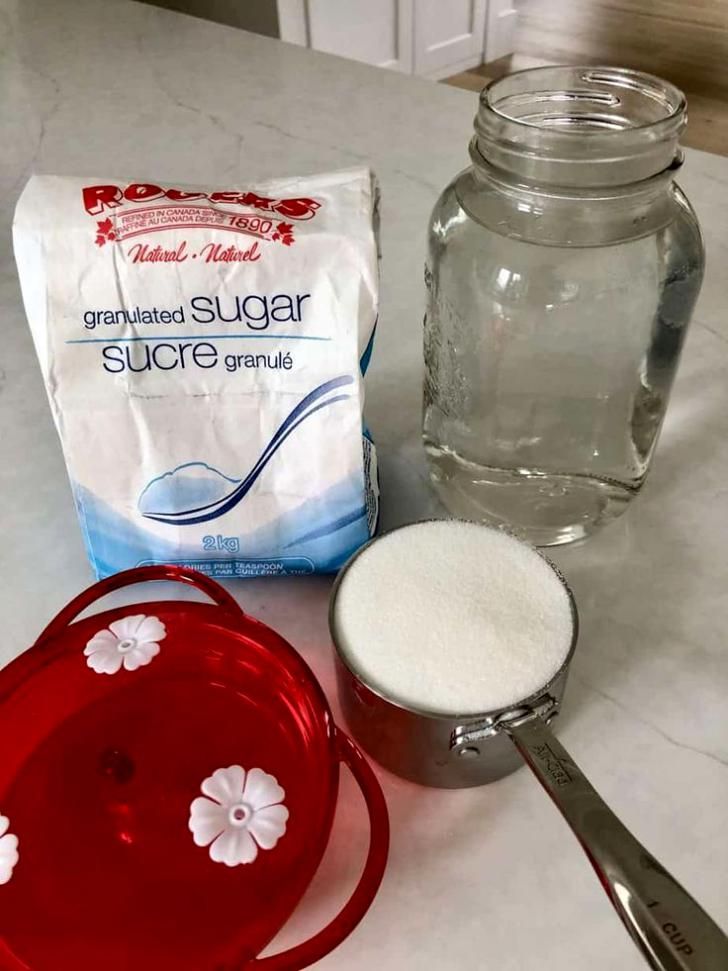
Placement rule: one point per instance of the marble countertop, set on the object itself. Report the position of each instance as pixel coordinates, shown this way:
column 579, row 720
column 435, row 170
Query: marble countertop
column 477, row 878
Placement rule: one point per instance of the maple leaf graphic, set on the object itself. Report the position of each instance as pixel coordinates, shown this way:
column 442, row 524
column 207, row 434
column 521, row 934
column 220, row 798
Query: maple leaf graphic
column 104, row 232
column 284, row 233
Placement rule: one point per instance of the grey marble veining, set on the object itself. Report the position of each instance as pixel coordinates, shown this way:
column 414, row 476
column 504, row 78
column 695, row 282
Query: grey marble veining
column 479, row 878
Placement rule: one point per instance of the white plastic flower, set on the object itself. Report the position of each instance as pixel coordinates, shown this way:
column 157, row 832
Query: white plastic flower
column 8, row 851
column 244, row 811
column 130, row 642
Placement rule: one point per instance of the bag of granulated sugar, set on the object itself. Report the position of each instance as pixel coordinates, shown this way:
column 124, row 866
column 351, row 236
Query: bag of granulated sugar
column 203, row 352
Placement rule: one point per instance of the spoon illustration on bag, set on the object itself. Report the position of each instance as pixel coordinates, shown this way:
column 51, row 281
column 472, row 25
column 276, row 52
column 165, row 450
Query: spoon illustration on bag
column 195, row 492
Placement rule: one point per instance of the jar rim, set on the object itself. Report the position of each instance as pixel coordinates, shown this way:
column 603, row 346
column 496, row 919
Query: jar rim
column 649, row 85
column 545, row 123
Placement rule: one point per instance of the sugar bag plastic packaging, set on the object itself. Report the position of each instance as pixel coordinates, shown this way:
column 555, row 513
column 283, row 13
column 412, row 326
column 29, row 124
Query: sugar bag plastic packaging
column 203, row 351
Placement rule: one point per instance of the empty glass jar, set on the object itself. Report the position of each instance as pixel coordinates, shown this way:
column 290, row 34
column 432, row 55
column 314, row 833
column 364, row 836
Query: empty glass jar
column 562, row 270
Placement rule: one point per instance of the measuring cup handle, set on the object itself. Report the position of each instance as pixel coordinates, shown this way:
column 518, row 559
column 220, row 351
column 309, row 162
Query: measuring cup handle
column 321, row 944
column 671, row 929
column 139, row 574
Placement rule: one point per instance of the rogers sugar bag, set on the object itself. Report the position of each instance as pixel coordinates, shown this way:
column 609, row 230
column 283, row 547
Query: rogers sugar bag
column 203, row 352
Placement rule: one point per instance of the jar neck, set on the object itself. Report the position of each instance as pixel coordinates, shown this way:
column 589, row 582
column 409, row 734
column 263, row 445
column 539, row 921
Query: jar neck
column 579, row 128
column 515, row 186
column 566, row 216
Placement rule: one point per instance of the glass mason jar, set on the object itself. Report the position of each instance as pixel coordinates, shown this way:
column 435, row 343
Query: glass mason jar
column 562, row 270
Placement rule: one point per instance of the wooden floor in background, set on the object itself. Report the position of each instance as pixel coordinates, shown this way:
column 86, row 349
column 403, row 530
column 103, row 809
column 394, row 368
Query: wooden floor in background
column 685, row 41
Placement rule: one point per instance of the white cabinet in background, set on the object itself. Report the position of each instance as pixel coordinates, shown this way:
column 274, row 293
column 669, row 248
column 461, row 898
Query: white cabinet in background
column 433, row 38
column 379, row 32
column 448, row 36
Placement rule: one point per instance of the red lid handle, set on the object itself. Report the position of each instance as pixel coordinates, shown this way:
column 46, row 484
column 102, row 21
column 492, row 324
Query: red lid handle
column 139, row 574
column 346, row 920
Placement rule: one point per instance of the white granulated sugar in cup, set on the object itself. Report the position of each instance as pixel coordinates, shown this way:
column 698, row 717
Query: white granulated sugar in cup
column 452, row 617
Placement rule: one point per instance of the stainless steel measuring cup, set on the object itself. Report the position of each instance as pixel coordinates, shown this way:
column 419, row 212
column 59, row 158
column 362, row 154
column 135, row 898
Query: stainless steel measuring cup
column 452, row 751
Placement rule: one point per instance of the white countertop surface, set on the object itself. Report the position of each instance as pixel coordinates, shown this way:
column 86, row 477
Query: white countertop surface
column 478, row 878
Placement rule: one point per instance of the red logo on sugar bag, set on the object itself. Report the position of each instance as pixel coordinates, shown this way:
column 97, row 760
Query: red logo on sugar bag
column 97, row 198
column 184, row 209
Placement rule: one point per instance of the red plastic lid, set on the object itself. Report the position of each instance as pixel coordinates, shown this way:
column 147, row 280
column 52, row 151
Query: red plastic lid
column 168, row 779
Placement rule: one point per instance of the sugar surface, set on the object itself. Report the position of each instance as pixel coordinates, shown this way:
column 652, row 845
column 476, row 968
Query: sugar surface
column 453, row 618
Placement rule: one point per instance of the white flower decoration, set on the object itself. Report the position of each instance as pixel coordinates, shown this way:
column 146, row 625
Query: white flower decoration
column 130, row 642
column 9, row 855
column 244, row 812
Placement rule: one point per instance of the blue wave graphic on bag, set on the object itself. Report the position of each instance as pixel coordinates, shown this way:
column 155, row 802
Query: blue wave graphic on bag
column 316, row 536
column 195, row 492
